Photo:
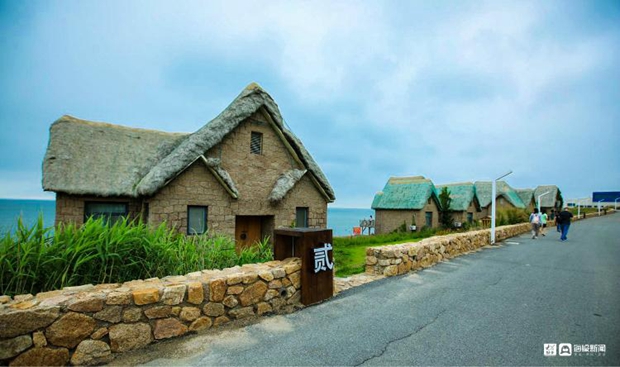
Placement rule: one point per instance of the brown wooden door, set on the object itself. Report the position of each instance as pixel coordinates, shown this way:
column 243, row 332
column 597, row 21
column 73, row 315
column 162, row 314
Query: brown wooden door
column 248, row 230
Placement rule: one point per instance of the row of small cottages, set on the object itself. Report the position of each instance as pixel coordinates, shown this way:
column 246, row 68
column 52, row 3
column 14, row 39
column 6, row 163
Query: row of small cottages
column 415, row 201
column 243, row 174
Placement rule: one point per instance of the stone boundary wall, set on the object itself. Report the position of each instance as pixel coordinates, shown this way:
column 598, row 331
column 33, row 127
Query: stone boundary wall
column 87, row 325
column 403, row 258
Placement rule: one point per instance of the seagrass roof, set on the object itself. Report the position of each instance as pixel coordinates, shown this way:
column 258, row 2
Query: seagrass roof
column 553, row 199
column 462, row 195
column 526, row 195
column 85, row 157
column 484, row 193
column 405, row 193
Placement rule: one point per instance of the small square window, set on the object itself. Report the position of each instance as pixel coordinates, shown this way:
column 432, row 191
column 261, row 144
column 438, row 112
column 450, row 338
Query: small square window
column 196, row 220
column 256, row 145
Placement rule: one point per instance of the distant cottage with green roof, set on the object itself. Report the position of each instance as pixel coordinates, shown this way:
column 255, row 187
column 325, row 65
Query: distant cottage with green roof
column 464, row 206
column 506, row 197
column 527, row 197
column 406, row 200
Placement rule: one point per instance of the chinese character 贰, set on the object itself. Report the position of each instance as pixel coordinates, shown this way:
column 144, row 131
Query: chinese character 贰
column 321, row 258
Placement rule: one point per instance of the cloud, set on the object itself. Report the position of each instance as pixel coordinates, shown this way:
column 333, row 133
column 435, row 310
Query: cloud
column 452, row 91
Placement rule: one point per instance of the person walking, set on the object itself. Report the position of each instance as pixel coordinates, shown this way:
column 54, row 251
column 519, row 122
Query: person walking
column 535, row 222
column 558, row 221
column 565, row 217
column 543, row 222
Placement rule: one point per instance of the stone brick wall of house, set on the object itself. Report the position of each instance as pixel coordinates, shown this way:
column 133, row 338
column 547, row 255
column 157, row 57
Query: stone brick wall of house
column 420, row 218
column 195, row 186
column 387, row 221
column 254, row 175
column 70, row 208
column 403, row 258
column 89, row 325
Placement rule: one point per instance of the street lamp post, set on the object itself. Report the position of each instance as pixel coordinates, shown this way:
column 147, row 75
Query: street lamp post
column 579, row 207
column 493, row 193
column 539, row 196
column 599, row 207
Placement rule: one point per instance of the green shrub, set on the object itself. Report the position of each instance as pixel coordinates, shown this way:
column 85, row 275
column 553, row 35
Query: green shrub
column 39, row 259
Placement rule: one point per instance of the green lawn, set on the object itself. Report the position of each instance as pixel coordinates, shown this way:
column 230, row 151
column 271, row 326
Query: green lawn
column 350, row 252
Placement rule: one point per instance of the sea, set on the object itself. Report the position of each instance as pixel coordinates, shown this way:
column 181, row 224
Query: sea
column 340, row 220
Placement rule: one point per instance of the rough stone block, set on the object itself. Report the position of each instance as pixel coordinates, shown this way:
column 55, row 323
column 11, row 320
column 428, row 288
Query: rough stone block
column 253, row 294
column 214, row 309
column 217, row 290
column 241, row 313
column 70, row 330
column 111, row 314
column 174, row 294
column 220, row 320
column 42, row 357
column 11, row 347
column 90, row 304
column 202, row 323
column 132, row 314
column 119, row 298
column 145, row 296
column 189, row 313
column 195, row 293
column 126, row 337
column 237, row 289
column 99, row 333
column 158, row 312
column 38, row 339
column 92, row 353
column 19, row 322
column 168, row 328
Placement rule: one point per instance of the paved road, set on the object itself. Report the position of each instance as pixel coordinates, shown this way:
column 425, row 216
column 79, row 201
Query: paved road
column 495, row 307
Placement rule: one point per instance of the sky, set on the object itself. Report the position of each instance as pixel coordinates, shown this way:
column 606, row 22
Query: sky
column 450, row 90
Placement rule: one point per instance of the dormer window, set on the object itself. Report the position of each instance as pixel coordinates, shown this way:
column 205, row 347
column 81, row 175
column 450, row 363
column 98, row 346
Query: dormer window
column 256, row 144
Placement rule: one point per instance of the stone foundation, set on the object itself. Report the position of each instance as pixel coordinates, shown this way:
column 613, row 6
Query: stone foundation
column 88, row 325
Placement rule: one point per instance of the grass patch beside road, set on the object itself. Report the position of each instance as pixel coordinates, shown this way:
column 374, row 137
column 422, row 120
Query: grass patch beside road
column 350, row 252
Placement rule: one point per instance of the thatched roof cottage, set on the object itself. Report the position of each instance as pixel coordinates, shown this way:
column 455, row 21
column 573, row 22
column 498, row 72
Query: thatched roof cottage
column 408, row 201
column 527, row 197
column 464, row 206
column 242, row 174
column 506, row 196
column 552, row 200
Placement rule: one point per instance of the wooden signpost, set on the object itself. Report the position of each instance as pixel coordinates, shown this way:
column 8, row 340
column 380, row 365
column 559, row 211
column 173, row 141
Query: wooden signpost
column 314, row 247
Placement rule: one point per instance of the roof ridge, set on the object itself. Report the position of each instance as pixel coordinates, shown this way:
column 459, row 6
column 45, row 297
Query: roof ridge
column 76, row 120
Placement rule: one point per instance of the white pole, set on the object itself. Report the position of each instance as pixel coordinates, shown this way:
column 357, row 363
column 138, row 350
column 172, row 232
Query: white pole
column 493, row 193
column 539, row 196
column 616, row 203
column 599, row 207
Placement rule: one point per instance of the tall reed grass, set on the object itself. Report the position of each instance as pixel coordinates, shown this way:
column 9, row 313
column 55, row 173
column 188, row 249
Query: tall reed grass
column 36, row 259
